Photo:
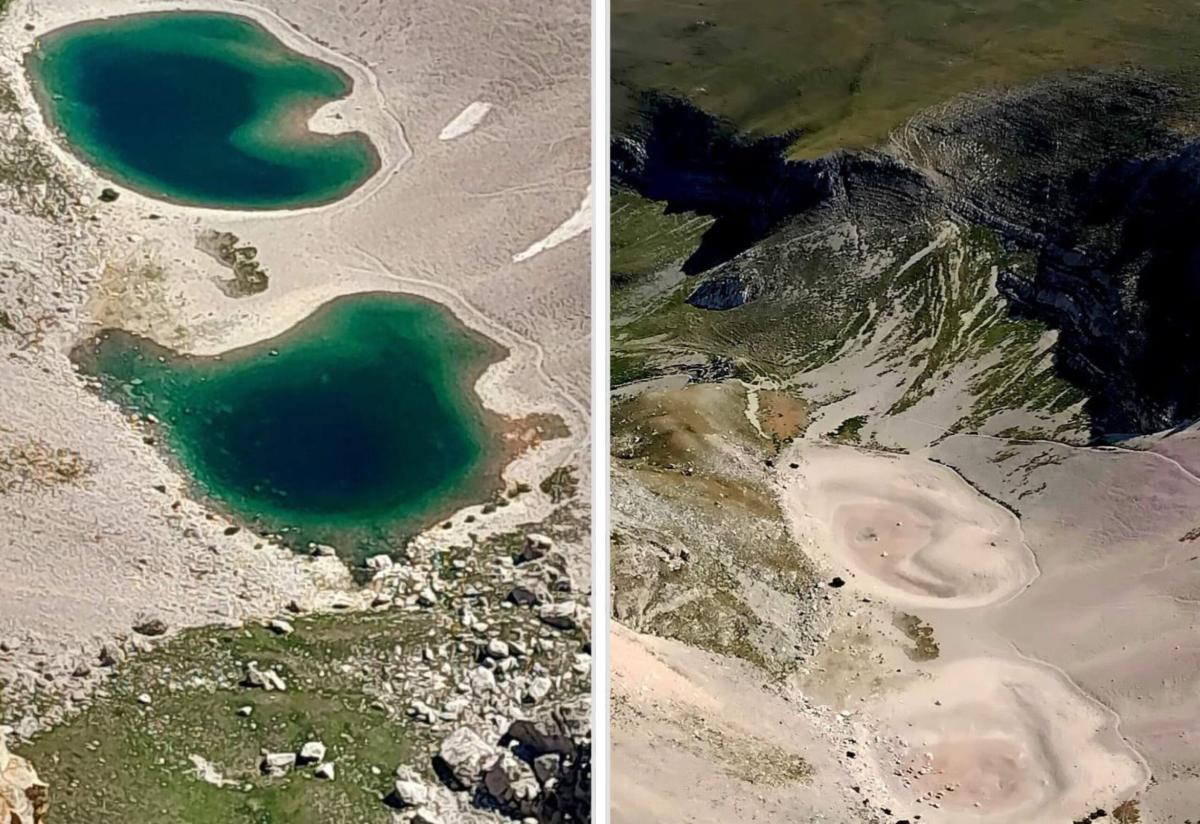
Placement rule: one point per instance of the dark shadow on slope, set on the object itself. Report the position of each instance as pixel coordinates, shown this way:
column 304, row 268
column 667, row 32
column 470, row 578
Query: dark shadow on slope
column 694, row 162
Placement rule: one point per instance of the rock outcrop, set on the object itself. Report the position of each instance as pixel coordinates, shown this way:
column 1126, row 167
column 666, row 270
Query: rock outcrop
column 1087, row 176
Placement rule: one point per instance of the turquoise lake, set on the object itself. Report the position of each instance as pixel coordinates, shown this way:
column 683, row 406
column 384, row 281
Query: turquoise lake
column 356, row 428
column 199, row 108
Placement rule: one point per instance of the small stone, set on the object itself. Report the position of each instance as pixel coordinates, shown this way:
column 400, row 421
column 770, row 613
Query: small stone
column 245, row 711
column 324, row 771
column 268, row 680
column 144, row 698
column 497, row 648
column 523, row 597
column 151, row 627
column 111, row 655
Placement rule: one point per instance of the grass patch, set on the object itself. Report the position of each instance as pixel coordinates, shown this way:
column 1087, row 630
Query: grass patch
column 646, row 237
column 925, row 647
column 351, row 678
column 560, row 484
column 844, row 75
column 849, row 431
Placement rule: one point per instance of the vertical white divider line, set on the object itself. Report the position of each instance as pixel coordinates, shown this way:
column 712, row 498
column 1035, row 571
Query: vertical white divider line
column 600, row 415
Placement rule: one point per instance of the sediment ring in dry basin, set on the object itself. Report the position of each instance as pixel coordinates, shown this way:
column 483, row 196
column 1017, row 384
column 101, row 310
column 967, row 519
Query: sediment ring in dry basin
column 1000, row 740
column 904, row 528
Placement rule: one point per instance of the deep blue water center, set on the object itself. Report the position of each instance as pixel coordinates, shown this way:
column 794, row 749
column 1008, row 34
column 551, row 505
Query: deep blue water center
column 200, row 108
column 358, row 426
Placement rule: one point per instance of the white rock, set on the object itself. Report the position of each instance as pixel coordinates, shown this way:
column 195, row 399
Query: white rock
column 410, row 791
column 379, row 563
column 277, row 763
column 311, row 753
column 465, row 754
column 538, row 689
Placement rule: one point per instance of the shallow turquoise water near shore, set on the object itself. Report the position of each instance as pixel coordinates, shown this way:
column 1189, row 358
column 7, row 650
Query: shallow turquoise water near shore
column 356, row 428
column 200, row 108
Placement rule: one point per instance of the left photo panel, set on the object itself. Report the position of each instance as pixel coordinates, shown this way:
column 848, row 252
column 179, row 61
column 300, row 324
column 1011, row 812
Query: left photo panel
column 294, row 412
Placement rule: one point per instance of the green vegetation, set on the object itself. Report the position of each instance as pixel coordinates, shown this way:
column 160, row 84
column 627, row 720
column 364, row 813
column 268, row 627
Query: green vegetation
column 925, row 646
column 849, row 431
column 350, row 679
column 134, row 761
column 31, row 177
column 1127, row 813
column 938, row 286
column 744, row 756
column 560, row 484
column 646, row 236
column 31, row 463
column 249, row 278
column 844, row 75
column 671, row 472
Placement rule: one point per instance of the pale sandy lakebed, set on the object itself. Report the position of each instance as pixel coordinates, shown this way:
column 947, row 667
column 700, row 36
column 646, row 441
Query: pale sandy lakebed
column 984, row 733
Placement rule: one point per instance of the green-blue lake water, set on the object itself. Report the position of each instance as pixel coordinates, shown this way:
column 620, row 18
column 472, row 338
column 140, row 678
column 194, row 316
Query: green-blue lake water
column 199, row 108
column 357, row 428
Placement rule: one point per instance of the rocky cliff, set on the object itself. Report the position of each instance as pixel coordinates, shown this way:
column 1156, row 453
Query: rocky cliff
column 1092, row 177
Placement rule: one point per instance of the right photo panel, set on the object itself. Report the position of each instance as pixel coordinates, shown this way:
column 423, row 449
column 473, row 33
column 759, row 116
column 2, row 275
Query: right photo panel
column 905, row 347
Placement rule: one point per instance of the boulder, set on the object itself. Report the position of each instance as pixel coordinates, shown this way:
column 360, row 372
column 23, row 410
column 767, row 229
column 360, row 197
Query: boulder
column 324, row 771
column 277, row 763
column 523, row 597
column 559, row 616
column 546, row 767
column 536, row 546
column 535, row 742
column 538, row 689
column 511, row 783
column 311, row 753
column 409, row 790
column 462, row 757
column 379, row 563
